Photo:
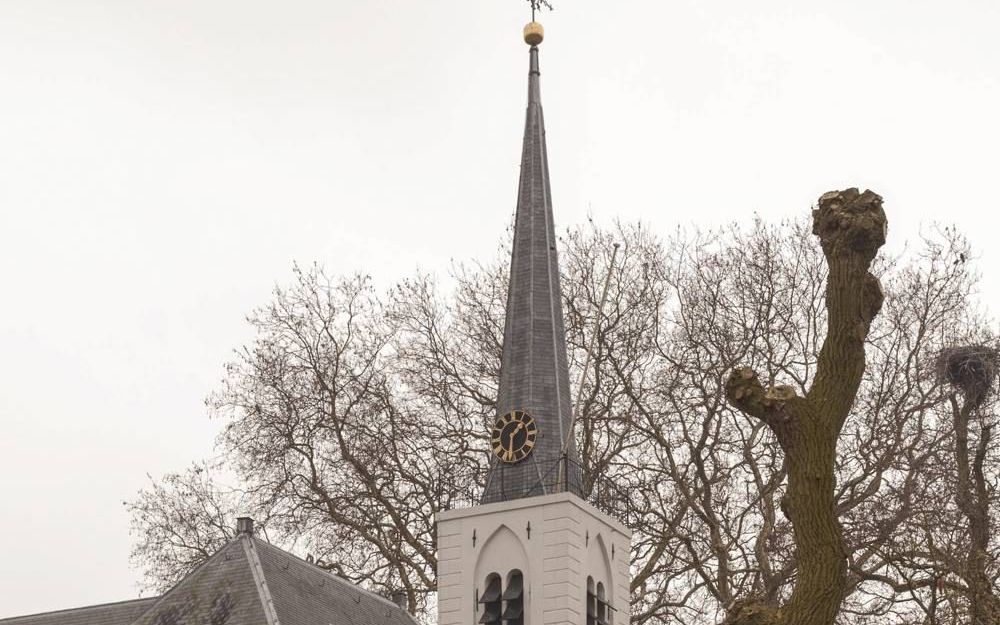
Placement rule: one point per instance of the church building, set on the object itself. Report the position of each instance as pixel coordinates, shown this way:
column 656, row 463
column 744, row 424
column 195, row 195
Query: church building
column 537, row 549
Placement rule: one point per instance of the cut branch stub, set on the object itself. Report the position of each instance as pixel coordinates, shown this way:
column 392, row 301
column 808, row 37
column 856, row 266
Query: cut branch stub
column 744, row 390
column 753, row 612
column 850, row 222
column 871, row 300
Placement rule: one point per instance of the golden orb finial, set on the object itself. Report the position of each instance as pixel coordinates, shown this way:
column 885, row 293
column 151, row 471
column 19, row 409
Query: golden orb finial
column 533, row 33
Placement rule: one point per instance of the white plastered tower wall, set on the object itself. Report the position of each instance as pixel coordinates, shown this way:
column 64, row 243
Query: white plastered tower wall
column 570, row 540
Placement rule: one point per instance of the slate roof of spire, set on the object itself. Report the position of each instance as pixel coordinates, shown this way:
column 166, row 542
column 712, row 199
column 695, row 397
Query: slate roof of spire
column 534, row 375
column 246, row 582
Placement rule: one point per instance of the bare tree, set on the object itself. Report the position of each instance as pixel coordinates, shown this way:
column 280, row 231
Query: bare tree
column 972, row 371
column 181, row 520
column 949, row 572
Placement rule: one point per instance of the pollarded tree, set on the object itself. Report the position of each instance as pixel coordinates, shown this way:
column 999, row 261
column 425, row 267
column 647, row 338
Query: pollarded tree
column 851, row 227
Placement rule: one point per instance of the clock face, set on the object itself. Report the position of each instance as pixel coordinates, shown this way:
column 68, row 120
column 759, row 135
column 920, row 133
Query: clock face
column 514, row 436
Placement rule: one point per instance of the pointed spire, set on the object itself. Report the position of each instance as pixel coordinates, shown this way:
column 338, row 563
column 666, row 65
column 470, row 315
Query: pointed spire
column 534, row 374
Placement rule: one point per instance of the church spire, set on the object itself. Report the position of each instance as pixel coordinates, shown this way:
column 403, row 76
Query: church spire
column 533, row 450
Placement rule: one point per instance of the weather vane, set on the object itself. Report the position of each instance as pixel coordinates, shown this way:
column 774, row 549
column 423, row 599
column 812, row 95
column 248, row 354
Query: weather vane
column 538, row 5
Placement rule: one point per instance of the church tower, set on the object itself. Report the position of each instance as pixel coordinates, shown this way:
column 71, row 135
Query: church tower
column 534, row 551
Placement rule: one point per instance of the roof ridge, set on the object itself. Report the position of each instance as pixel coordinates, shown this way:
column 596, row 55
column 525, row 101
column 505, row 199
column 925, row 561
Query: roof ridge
column 263, row 592
column 333, row 576
column 85, row 607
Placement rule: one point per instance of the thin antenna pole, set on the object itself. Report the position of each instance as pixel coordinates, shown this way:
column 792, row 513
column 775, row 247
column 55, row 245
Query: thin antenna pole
column 586, row 363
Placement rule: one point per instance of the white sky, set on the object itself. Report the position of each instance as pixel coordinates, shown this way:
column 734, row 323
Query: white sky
column 162, row 163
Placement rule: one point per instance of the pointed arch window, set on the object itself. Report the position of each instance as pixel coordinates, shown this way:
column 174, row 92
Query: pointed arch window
column 503, row 604
column 598, row 608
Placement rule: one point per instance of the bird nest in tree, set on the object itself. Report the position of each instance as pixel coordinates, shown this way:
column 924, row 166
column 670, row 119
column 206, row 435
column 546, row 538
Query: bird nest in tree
column 971, row 369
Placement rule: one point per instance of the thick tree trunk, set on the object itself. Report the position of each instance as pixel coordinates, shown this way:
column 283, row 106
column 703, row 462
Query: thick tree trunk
column 851, row 227
column 973, row 501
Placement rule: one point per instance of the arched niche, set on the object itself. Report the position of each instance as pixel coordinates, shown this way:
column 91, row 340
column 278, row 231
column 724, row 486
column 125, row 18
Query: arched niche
column 597, row 566
column 501, row 553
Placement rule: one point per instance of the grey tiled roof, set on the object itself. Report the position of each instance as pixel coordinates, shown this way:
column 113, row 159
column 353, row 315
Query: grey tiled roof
column 220, row 591
column 247, row 582
column 121, row 613
column 304, row 594
column 534, row 375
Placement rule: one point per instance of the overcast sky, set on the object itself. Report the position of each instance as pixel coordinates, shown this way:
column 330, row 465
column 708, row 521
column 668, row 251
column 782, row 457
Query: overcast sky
column 163, row 163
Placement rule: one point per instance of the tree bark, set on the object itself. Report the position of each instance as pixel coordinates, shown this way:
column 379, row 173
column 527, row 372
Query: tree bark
column 851, row 227
column 973, row 501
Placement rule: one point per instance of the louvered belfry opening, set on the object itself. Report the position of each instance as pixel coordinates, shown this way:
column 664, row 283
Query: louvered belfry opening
column 598, row 608
column 513, row 598
column 491, row 600
column 534, row 371
column 602, row 606
column 591, row 602
column 501, row 603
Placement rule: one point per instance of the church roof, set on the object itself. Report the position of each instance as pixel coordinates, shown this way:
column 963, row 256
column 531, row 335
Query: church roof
column 120, row 613
column 534, row 374
column 246, row 582
column 305, row 594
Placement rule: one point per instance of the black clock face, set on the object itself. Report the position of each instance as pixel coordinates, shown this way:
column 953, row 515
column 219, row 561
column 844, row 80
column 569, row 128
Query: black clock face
column 514, row 436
